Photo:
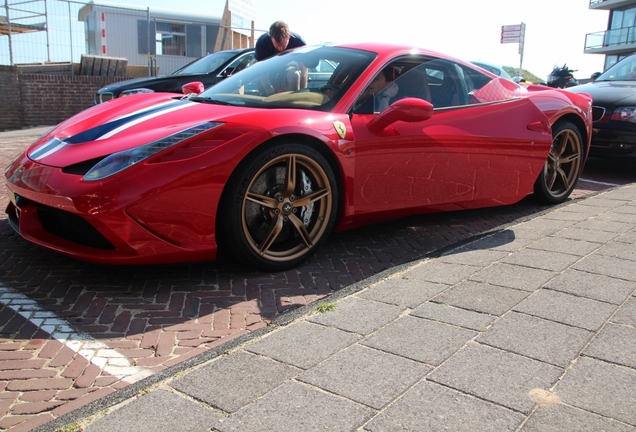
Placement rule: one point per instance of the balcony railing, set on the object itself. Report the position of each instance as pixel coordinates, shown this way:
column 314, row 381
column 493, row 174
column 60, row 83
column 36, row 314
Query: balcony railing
column 610, row 38
column 609, row 4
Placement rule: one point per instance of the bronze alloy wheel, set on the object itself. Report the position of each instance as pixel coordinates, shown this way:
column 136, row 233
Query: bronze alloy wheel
column 286, row 206
column 563, row 166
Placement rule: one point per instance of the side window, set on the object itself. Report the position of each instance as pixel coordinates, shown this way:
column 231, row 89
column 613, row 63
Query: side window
column 318, row 75
column 442, row 82
column 399, row 79
column 447, row 84
column 239, row 64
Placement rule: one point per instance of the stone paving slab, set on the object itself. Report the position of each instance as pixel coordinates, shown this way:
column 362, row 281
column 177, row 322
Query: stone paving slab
column 368, row 376
column 156, row 411
column 594, row 286
column 609, row 346
column 514, row 276
column 403, row 291
column 609, row 266
column 454, row 316
column 559, row 418
column 568, row 309
column 541, row 259
column 548, row 341
column 358, row 315
column 431, row 407
column 496, row 375
column 311, row 410
column 303, row 345
column 601, row 388
column 482, row 297
column 234, row 381
column 419, row 339
column 566, row 246
column 627, row 313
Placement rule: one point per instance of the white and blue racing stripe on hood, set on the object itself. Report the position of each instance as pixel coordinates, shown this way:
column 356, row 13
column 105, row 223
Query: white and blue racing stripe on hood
column 109, row 129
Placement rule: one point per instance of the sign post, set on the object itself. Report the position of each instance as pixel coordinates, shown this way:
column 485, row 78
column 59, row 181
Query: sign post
column 515, row 33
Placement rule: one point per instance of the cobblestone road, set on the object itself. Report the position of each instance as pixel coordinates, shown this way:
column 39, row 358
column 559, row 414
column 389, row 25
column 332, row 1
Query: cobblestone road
column 72, row 332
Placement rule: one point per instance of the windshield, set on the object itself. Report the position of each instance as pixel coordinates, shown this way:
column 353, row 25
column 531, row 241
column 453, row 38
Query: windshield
column 624, row 70
column 308, row 77
column 206, row 64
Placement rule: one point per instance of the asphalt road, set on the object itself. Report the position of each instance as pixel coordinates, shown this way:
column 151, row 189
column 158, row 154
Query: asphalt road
column 612, row 170
column 72, row 332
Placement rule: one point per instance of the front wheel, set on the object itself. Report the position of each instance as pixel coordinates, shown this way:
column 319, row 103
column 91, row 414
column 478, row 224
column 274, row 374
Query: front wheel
column 563, row 167
column 279, row 207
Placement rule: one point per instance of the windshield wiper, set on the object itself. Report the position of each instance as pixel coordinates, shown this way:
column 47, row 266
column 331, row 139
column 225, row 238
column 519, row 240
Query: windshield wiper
column 208, row 100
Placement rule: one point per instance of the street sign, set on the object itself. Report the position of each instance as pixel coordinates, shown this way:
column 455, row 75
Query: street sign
column 513, row 33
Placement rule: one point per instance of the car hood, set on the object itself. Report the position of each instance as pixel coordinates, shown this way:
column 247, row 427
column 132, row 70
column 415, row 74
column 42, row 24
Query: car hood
column 609, row 92
column 126, row 123
column 149, row 82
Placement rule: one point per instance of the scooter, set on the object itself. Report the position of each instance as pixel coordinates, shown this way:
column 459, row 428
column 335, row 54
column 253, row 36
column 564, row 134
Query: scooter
column 561, row 77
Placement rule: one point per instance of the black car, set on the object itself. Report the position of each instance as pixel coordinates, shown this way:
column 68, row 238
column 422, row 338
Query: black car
column 613, row 108
column 209, row 69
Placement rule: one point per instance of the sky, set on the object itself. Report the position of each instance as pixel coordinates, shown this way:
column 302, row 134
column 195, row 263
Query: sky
column 467, row 29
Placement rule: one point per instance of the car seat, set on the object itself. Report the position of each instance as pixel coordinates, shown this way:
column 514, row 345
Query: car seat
column 413, row 84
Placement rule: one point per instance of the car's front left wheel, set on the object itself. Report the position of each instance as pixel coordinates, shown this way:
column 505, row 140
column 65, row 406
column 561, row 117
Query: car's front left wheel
column 279, row 206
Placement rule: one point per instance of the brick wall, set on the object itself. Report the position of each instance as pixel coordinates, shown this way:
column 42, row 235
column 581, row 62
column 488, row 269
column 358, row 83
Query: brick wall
column 11, row 115
column 28, row 100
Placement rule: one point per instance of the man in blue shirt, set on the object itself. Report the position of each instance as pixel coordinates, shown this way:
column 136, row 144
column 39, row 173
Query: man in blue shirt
column 278, row 40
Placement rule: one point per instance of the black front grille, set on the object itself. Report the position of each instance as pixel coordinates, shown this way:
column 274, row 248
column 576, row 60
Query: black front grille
column 72, row 228
column 597, row 113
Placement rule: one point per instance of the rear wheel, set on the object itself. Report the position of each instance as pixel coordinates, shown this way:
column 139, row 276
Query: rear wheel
column 280, row 206
column 563, row 167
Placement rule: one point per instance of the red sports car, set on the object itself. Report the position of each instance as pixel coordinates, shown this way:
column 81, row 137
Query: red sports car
column 267, row 163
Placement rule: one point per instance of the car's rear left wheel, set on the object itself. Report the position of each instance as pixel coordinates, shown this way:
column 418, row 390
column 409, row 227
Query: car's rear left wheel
column 280, row 206
column 563, row 167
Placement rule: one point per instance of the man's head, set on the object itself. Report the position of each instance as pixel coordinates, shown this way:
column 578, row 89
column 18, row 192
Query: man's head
column 279, row 32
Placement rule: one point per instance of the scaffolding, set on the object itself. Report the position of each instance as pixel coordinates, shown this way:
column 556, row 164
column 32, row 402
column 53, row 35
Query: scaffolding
column 24, row 16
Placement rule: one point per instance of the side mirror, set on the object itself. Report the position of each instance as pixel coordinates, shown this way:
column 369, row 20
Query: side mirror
column 409, row 110
column 192, row 87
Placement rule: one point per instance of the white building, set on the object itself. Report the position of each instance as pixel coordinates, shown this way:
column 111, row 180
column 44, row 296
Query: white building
column 156, row 37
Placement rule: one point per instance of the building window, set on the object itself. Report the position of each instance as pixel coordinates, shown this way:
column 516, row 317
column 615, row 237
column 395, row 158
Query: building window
column 170, row 39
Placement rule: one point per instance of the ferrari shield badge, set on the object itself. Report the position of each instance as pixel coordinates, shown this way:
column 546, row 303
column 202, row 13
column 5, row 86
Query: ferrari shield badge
column 340, row 128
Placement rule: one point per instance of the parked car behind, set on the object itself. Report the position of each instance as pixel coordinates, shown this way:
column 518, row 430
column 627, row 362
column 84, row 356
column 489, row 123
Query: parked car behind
column 209, row 70
column 613, row 108
column 496, row 69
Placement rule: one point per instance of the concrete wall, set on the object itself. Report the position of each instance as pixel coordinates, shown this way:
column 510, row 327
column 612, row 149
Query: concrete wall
column 28, row 100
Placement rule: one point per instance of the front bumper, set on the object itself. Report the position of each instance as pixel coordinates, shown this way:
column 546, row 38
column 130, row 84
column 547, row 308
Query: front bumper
column 613, row 137
column 107, row 225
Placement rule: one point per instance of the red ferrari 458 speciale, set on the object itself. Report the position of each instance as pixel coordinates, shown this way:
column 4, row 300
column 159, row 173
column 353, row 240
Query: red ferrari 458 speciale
column 267, row 163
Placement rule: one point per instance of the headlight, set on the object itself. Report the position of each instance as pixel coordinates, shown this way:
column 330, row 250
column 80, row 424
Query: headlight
column 119, row 161
column 624, row 114
column 135, row 91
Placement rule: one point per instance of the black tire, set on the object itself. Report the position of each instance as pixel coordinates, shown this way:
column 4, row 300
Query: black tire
column 563, row 167
column 273, row 218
